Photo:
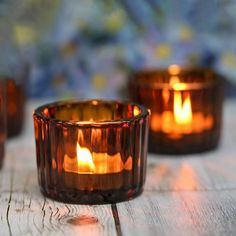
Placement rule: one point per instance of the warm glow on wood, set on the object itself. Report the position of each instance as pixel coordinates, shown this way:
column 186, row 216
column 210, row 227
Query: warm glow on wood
column 85, row 160
column 182, row 112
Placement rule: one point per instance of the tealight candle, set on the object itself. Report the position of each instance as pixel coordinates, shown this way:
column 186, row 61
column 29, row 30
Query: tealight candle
column 186, row 107
column 91, row 151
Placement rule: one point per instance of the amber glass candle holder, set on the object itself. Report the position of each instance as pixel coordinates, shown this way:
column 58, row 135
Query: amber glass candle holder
column 186, row 108
column 2, row 119
column 91, row 152
column 15, row 107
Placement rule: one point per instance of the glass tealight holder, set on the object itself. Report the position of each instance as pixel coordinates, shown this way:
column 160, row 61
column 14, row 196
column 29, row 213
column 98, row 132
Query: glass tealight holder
column 14, row 68
column 2, row 119
column 15, row 107
column 91, row 152
column 186, row 108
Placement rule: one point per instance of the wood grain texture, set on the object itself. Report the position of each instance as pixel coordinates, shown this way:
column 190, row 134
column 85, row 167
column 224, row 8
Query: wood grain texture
column 24, row 211
column 180, row 213
column 188, row 195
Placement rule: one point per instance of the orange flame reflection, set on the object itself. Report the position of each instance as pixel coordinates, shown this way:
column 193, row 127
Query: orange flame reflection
column 95, row 163
column 182, row 112
column 186, row 178
column 85, row 160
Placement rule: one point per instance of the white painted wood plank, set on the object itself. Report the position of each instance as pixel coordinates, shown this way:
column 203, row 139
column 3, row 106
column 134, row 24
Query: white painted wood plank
column 180, row 213
column 30, row 214
column 214, row 170
column 204, row 171
column 24, row 211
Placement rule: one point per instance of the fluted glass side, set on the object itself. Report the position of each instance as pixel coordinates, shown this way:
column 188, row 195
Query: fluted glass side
column 15, row 107
column 114, row 135
column 2, row 119
column 167, row 93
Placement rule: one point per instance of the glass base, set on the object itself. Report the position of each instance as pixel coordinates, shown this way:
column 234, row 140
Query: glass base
column 75, row 196
column 188, row 144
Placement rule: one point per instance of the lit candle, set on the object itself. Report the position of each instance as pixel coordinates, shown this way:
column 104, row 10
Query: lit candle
column 186, row 107
column 182, row 120
column 91, row 152
column 94, row 167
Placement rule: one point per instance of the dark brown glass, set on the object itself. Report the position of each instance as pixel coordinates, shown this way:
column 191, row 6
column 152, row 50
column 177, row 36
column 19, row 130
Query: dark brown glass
column 152, row 89
column 114, row 133
column 2, row 119
column 15, row 107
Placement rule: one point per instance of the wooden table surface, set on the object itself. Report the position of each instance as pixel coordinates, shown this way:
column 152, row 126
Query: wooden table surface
column 185, row 195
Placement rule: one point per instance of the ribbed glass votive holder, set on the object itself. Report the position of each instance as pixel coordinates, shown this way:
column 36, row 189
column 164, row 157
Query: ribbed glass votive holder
column 2, row 119
column 186, row 108
column 91, row 152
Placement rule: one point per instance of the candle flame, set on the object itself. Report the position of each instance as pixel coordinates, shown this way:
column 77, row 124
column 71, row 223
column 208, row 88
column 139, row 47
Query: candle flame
column 84, row 160
column 182, row 112
column 174, row 69
column 136, row 111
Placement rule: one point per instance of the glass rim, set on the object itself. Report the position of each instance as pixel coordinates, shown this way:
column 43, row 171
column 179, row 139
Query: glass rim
column 136, row 78
column 144, row 112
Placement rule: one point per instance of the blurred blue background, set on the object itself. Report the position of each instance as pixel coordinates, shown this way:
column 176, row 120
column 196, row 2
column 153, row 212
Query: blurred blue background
column 87, row 48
